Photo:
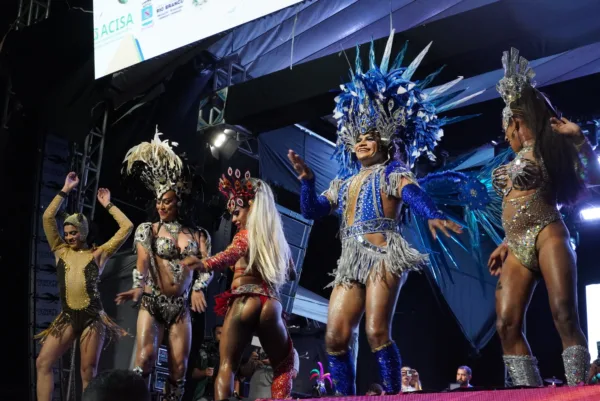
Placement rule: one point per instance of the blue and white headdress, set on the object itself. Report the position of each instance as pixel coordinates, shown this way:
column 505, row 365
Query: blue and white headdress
column 402, row 111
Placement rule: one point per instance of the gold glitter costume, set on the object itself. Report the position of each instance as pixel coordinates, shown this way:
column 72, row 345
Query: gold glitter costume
column 78, row 276
column 524, row 217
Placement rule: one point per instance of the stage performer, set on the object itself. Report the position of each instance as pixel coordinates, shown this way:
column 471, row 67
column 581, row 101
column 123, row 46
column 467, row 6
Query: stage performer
column 384, row 120
column 78, row 266
column 260, row 258
column 160, row 282
column 553, row 163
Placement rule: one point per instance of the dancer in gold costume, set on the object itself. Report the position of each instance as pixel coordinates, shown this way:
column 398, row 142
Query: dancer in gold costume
column 78, row 268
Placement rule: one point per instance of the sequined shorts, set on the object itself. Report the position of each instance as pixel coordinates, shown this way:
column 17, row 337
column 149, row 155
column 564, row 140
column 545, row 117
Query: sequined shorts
column 223, row 301
column 165, row 309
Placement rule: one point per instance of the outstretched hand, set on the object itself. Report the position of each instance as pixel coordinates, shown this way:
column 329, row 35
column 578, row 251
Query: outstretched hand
column 192, row 262
column 300, row 166
column 71, row 182
column 565, row 127
column 104, row 196
column 497, row 259
column 132, row 295
column 198, row 301
column 443, row 226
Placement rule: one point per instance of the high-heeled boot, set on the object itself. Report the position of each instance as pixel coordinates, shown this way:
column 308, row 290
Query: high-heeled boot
column 577, row 364
column 343, row 372
column 390, row 365
column 174, row 391
column 281, row 388
column 523, row 370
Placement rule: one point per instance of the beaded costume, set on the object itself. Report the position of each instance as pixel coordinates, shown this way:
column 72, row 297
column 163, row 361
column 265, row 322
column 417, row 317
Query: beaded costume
column 167, row 309
column 157, row 166
column 241, row 192
column 78, row 275
column 404, row 115
column 524, row 217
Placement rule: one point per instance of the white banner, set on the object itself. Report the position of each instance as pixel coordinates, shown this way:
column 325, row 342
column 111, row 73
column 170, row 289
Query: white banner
column 127, row 32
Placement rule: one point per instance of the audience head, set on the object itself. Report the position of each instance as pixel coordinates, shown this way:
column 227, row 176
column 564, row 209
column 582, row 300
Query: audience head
column 375, row 389
column 463, row 375
column 117, row 385
column 217, row 330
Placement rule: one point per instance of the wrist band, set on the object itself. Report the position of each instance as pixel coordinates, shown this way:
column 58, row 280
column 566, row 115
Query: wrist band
column 138, row 278
column 63, row 194
column 109, row 206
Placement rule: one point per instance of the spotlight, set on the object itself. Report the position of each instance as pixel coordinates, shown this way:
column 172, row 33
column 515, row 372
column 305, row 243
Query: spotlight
column 220, row 140
column 591, row 213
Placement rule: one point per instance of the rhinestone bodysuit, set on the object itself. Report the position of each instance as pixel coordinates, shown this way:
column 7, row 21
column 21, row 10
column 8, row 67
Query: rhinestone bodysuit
column 524, row 217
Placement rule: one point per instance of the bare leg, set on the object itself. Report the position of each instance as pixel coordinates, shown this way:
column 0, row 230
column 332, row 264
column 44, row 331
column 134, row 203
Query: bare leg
column 513, row 294
column 346, row 307
column 149, row 337
column 52, row 350
column 241, row 321
column 180, row 339
column 277, row 343
column 382, row 296
column 90, row 347
column 559, row 269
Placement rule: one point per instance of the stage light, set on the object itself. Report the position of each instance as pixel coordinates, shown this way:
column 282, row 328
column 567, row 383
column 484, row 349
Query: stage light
column 590, row 213
column 220, row 140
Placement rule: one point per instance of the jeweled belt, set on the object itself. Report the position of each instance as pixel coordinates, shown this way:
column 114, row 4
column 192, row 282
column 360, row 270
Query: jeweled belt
column 369, row 226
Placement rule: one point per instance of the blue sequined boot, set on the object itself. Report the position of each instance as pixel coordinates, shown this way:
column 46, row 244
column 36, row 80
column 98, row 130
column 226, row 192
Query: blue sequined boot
column 390, row 365
column 343, row 373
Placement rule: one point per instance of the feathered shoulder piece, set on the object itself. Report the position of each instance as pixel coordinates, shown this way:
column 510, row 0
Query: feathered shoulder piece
column 386, row 99
column 158, row 167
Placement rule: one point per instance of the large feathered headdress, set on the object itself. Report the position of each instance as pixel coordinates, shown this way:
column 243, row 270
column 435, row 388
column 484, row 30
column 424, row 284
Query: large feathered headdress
column 158, row 167
column 387, row 100
column 238, row 191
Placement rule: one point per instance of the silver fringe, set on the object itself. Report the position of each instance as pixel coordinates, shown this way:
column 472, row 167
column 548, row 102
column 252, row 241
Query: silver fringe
column 523, row 370
column 359, row 257
column 395, row 179
column 577, row 364
column 332, row 193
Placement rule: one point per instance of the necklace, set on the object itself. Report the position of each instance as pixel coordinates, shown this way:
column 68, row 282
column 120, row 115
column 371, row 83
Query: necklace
column 173, row 228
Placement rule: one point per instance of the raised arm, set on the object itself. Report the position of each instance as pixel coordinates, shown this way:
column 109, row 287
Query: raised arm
column 313, row 206
column 234, row 252
column 125, row 227
column 53, row 236
column 589, row 159
column 204, row 278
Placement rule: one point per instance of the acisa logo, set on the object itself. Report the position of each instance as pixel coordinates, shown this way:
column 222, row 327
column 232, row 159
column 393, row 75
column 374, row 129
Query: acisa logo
column 118, row 24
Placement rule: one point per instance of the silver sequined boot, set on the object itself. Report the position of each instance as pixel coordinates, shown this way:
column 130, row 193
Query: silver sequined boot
column 523, row 370
column 174, row 391
column 577, row 364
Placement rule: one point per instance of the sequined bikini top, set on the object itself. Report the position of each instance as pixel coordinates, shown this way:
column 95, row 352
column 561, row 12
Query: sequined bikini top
column 522, row 174
column 166, row 248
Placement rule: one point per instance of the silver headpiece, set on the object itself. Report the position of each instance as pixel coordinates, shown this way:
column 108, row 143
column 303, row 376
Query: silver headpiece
column 158, row 167
column 79, row 221
column 517, row 75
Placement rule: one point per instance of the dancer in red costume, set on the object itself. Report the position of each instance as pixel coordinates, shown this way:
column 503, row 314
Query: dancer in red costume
column 260, row 258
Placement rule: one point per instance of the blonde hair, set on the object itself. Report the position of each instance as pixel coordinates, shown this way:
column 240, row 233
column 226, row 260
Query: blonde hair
column 269, row 252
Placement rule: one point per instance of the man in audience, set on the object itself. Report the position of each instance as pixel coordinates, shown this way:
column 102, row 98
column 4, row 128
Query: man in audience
column 375, row 389
column 117, row 385
column 463, row 376
column 207, row 366
column 410, row 380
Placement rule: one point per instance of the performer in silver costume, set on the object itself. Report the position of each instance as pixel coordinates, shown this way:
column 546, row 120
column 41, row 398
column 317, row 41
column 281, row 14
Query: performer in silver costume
column 160, row 281
column 554, row 162
column 384, row 121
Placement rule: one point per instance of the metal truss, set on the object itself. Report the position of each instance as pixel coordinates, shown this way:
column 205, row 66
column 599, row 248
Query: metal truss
column 88, row 163
column 247, row 143
column 28, row 13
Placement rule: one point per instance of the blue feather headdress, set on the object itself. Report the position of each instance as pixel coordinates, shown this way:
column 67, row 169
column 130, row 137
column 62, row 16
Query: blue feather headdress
column 386, row 100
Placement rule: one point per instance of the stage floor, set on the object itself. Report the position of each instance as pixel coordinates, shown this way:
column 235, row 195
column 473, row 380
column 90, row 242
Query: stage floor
column 584, row 393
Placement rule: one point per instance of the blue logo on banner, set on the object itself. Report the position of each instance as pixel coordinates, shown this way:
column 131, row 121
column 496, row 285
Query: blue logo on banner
column 146, row 13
